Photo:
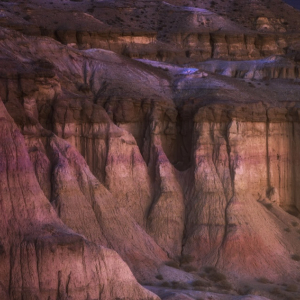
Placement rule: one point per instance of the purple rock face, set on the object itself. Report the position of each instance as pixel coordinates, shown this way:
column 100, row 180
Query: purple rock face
column 152, row 142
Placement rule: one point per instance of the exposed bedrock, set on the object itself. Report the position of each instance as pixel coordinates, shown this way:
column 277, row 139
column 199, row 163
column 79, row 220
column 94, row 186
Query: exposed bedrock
column 182, row 47
column 41, row 258
column 230, row 178
column 263, row 69
column 148, row 142
column 241, row 157
column 118, row 155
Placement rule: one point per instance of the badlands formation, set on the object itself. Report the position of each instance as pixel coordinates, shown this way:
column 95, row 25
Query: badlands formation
column 149, row 150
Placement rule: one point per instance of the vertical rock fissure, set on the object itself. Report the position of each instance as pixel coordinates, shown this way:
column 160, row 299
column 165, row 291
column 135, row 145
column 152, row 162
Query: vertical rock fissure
column 232, row 175
column 211, row 41
column 64, row 124
column 68, row 282
column 230, row 162
column 6, row 91
column 188, row 195
column 107, row 141
column 11, row 263
column 267, row 153
column 183, row 241
column 85, row 73
column 38, row 263
column 245, row 41
column 157, row 184
column 294, row 166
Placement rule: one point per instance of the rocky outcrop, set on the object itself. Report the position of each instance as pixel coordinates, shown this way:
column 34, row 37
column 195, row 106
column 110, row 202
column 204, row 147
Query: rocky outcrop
column 164, row 31
column 230, row 181
column 177, row 179
column 42, row 257
column 111, row 165
column 196, row 46
column 264, row 69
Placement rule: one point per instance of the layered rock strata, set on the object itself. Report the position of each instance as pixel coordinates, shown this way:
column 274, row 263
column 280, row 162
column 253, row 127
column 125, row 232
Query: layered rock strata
column 41, row 257
column 155, row 161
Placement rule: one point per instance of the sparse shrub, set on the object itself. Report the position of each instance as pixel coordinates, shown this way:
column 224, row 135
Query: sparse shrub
column 216, row 276
column 189, row 269
column 200, row 283
column 178, row 285
column 263, row 280
column 287, row 229
column 292, row 288
column 196, row 283
column 295, row 257
column 225, row 285
column 172, row 264
column 165, row 284
column 295, row 224
column 159, row 277
column 268, row 205
column 245, row 290
column 199, row 288
column 186, row 259
column 298, row 231
column 276, row 291
column 210, row 269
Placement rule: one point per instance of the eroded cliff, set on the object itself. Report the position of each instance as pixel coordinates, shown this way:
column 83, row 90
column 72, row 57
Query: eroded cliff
column 188, row 171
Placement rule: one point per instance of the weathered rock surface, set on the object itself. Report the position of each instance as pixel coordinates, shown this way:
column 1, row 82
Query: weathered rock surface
column 111, row 165
column 41, row 258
